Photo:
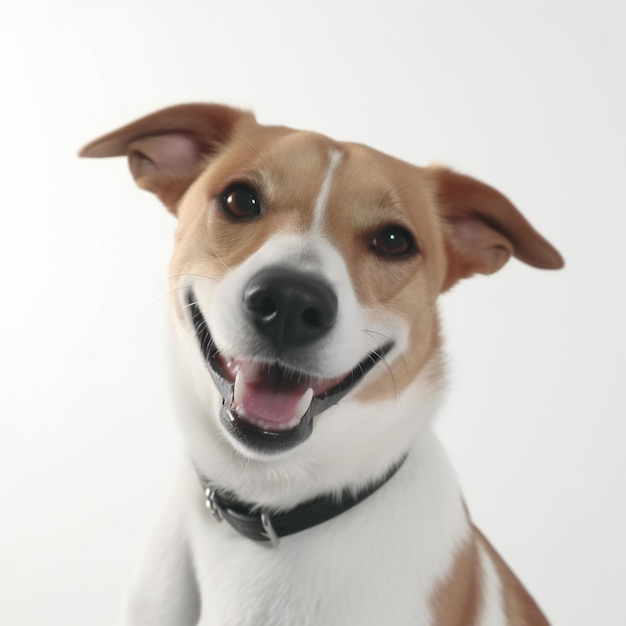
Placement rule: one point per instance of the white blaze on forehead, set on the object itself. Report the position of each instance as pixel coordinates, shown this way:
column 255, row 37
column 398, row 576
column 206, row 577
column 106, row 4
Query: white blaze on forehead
column 322, row 198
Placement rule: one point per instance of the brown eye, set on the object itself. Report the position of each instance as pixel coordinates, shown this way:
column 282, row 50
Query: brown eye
column 394, row 242
column 240, row 201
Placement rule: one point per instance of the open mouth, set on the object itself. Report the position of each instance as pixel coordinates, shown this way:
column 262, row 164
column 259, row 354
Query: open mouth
column 266, row 406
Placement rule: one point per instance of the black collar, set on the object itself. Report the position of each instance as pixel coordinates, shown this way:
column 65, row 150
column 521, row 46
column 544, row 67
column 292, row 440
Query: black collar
column 256, row 523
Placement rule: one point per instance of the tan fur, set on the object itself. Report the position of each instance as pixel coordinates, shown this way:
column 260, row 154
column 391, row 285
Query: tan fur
column 458, row 599
column 519, row 606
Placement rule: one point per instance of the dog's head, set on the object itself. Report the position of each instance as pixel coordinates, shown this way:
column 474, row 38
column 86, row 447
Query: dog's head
column 308, row 272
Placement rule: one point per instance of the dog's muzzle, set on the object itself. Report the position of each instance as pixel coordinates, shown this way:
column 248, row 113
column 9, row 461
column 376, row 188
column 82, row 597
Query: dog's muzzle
column 269, row 404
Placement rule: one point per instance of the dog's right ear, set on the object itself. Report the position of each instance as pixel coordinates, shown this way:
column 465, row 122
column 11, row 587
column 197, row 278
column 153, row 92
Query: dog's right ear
column 168, row 149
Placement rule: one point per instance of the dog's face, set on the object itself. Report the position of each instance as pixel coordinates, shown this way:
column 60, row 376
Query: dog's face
column 306, row 273
column 312, row 275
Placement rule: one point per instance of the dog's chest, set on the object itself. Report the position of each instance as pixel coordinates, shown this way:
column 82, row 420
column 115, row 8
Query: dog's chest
column 326, row 576
column 375, row 564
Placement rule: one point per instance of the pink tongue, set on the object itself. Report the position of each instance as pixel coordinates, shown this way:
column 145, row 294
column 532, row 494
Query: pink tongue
column 269, row 394
column 275, row 407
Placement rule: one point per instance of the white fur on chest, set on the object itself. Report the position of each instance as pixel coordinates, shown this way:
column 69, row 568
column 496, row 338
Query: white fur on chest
column 375, row 564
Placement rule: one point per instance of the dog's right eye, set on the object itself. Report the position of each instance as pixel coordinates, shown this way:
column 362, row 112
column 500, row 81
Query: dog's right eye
column 394, row 242
column 240, row 201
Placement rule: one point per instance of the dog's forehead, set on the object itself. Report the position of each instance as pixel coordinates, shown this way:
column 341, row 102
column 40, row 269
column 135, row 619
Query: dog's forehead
column 307, row 173
column 276, row 155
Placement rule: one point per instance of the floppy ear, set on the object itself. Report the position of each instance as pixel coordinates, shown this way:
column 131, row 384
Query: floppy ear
column 167, row 149
column 483, row 229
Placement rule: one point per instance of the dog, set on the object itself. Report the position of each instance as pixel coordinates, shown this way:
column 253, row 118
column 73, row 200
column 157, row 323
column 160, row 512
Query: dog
column 309, row 368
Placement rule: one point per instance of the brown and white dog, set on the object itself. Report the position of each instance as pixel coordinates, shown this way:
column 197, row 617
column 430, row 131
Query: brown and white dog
column 304, row 286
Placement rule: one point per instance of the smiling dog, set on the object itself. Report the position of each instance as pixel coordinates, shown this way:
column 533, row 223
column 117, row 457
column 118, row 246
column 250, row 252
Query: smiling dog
column 304, row 286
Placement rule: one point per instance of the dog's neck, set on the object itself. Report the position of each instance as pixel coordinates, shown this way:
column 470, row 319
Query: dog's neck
column 340, row 456
column 256, row 522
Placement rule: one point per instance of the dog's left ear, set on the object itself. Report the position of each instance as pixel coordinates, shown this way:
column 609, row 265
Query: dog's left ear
column 168, row 149
column 483, row 229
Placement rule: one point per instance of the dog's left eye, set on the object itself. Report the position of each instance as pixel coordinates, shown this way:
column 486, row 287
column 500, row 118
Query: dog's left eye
column 240, row 201
column 394, row 241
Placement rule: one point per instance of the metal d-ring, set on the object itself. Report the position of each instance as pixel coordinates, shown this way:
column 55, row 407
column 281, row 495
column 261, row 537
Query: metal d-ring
column 212, row 504
column 270, row 533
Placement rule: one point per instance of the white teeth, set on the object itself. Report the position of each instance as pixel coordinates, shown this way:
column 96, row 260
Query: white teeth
column 304, row 404
column 240, row 388
column 292, row 423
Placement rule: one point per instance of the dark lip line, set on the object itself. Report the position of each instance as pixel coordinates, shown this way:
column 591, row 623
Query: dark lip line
column 210, row 351
column 281, row 440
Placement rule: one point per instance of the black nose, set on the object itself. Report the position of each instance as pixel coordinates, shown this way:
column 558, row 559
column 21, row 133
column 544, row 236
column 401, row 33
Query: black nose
column 289, row 307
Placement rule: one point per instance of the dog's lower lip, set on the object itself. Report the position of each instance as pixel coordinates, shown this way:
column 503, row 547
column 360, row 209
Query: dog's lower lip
column 257, row 434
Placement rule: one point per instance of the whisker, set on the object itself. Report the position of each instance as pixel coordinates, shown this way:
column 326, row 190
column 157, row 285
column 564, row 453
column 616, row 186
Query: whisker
column 382, row 358
column 177, row 288
column 168, row 293
column 205, row 276
column 219, row 258
column 393, row 196
column 250, row 147
column 376, row 332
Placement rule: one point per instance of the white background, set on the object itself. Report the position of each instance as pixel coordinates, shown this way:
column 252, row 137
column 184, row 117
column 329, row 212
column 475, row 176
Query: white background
column 529, row 96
